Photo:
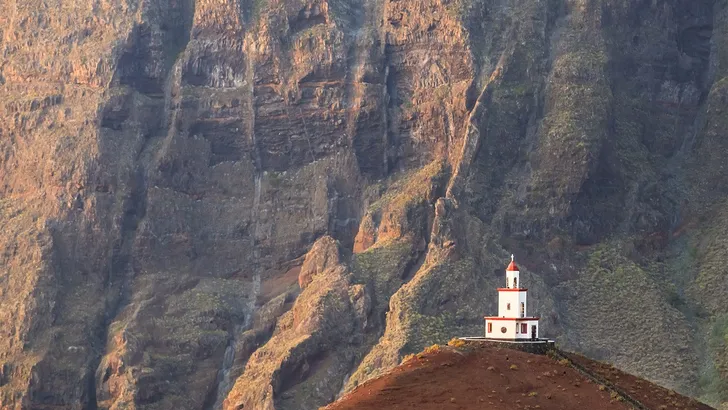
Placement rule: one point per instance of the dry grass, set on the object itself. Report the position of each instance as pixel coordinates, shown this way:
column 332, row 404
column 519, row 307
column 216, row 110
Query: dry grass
column 432, row 349
column 455, row 342
column 408, row 357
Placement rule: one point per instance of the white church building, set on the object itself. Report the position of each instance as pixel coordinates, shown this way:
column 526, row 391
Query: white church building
column 512, row 322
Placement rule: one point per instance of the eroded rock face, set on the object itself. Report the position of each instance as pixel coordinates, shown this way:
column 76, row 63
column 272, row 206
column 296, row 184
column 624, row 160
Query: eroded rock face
column 215, row 203
column 313, row 344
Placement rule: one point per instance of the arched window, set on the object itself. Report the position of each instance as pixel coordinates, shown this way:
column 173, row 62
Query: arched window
column 515, row 282
column 523, row 309
column 490, row 327
column 508, row 306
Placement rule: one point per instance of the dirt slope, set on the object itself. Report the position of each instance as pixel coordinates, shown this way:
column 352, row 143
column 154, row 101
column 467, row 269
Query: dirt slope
column 494, row 378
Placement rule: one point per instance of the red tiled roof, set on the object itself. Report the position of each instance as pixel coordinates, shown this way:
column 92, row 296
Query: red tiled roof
column 512, row 267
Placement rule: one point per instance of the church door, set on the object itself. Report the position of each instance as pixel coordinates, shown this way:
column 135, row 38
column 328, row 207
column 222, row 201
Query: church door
column 533, row 332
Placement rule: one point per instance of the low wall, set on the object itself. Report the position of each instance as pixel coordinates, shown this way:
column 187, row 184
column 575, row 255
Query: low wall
column 541, row 346
column 600, row 380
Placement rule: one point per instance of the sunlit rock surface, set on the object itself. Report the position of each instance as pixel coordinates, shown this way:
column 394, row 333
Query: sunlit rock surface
column 212, row 203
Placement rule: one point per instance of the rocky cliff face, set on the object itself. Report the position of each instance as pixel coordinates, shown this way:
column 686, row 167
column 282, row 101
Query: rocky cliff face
column 262, row 203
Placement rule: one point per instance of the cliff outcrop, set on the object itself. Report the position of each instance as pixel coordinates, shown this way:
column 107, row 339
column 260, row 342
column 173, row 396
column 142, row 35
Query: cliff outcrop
column 265, row 203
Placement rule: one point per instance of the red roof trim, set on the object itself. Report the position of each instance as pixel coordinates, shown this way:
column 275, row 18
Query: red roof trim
column 512, row 267
column 516, row 319
column 512, row 290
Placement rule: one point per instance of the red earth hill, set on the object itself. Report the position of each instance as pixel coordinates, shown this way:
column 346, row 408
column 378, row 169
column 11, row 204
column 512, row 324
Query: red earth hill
column 484, row 377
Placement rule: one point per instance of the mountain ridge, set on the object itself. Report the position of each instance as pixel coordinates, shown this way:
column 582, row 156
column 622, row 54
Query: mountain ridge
column 175, row 173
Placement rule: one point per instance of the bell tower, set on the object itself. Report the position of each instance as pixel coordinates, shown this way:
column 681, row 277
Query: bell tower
column 512, row 322
column 512, row 279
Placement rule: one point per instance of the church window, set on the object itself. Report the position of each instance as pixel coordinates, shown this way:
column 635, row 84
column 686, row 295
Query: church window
column 524, row 328
column 508, row 306
column 523, row 309
column 515, row 282
column 503, row 329
column 490, row 328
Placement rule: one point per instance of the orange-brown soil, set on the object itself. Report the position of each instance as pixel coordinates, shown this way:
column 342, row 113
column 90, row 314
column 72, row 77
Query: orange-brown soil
column 276, row 285
column 649, row 394
column 486, row 378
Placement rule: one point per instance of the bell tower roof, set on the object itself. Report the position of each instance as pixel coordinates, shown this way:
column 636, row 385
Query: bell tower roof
column 512, row 266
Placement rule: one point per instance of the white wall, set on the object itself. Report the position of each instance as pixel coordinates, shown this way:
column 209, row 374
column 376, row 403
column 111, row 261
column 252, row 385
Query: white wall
column 527, row 335
column 510, row 326
column 515, row 299
column 522, row 299
column 497, row 325
column 510, row 275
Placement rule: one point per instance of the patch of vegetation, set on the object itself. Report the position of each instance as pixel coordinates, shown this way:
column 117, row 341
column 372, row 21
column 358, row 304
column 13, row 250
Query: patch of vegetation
column 578, row 116
column 432, row 349
column 693, row 252
column 712, row 254
column 194, row 320
column 513, row 89
column 410, row 187
column 382, row 267
column 455, row 342
column 458, row 9
column 630, row 118
column 443, row 91
column 275, row 179
column 408, row 357
column 614, row 283
column 713, row 384
column 257, row 8
column 615, row 396
column 431, row 314
column 423, row 330
column 315, row 31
